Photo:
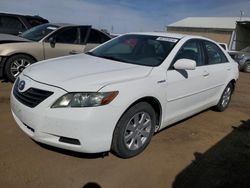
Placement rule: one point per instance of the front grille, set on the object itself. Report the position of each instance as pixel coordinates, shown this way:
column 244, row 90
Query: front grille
column 31, row 97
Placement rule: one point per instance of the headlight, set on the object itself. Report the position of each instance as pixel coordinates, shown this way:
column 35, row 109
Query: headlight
column 85, row 99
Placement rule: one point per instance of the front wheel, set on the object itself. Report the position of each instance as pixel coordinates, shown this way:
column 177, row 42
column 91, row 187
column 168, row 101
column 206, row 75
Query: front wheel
column 134, row 130
column 225, row 98
column 15, row 65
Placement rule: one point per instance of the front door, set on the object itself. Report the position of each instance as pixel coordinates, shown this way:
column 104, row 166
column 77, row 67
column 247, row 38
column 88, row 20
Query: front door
column 64, row 42
column 187, row 90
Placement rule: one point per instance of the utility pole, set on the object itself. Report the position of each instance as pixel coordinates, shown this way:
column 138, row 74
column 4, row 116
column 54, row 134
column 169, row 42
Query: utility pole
column 241, row 14
column 112, row 29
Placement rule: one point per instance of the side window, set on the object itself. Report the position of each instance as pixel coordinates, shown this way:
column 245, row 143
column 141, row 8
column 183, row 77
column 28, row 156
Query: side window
column 97, row 37
column 94, row 37
column 11, row 23
column 104, row 37
column 214, row 54
column 67, row 36
column 191, row 50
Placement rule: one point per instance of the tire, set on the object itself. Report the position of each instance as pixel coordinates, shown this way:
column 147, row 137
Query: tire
column 134, row 130
column 15, row 65
column 225, row 98
column 247, row 67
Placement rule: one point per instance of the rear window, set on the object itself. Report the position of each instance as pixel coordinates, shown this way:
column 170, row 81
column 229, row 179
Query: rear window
column 35, row 21
column 97, row 37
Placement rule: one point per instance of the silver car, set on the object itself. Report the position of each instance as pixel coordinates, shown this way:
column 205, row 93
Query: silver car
column 44, row 42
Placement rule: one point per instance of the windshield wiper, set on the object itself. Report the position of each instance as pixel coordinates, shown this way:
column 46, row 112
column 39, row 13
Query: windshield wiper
column 110, row 57
column 89, row 53
column 103, row 56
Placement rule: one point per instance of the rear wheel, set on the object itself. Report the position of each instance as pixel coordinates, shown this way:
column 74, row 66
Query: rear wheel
column 225, row 98
column 16, row 64
column 134, row 130
column 247, row 67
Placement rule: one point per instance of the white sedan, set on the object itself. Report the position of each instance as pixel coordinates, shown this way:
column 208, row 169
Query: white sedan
column 119, row 94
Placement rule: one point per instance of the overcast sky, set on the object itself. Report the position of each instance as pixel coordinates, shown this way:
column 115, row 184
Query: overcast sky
column 125, row 15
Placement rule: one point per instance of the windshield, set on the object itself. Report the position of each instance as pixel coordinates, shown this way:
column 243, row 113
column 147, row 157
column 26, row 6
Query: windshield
column 38, row 32
column 137, row 49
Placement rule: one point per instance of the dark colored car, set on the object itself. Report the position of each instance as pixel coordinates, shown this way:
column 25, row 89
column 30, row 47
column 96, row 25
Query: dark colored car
column 243, row 58
column 15, row 24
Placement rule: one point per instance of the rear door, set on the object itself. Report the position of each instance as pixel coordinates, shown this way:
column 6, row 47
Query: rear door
column 219, row 67
column 64, row 42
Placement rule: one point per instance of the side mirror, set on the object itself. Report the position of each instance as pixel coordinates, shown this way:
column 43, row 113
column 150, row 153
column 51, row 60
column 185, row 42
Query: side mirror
column 185, row 64
column 52, row 41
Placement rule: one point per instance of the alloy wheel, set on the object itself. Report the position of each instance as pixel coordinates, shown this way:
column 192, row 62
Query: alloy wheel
column 18, row 66
column 226, row 96
column 137, row 131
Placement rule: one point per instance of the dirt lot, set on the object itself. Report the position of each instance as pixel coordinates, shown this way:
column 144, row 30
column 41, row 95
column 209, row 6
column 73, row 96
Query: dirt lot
column 210, row 149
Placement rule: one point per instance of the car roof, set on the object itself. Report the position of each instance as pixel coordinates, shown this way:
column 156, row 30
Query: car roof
column 61, row 24
column 170, row 35
column 22, row 15
column 67, row 24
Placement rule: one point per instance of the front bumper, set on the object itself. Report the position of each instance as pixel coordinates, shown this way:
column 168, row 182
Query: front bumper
column 89, row 129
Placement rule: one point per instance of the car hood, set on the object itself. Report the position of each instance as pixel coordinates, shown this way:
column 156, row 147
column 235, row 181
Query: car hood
column 6, row 38
column 84, row 72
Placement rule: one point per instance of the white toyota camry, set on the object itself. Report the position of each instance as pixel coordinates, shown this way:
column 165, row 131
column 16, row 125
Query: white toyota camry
column 118, row 95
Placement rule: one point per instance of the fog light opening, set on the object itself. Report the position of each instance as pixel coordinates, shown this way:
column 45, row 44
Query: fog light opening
column 69, row 140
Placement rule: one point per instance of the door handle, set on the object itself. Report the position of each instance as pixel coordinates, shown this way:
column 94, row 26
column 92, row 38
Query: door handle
column 205, row 74
column 229, row 68
column 73, row 52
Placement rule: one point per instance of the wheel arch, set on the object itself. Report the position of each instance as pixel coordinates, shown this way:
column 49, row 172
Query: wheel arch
column 233, row 82
column 21, row 54
column 116, row 144
column 155, row 103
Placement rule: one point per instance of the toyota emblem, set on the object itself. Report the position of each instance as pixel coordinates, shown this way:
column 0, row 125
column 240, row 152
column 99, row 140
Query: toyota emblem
column 21, row 85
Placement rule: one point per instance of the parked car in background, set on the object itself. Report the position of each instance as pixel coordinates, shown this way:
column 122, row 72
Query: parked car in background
column 15, row 24
column 225, row 47
column 119, row 94
column 243, row 58
column 44, row 42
